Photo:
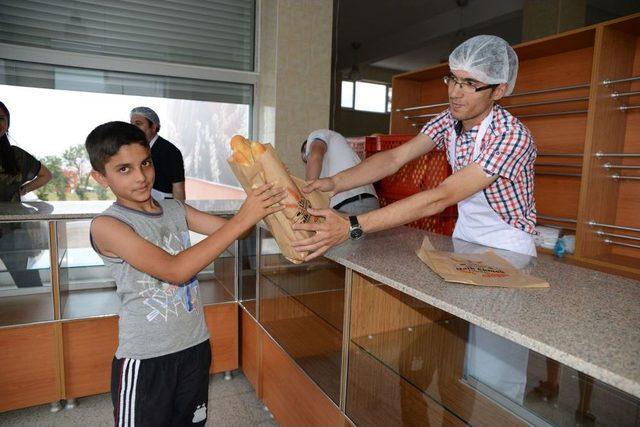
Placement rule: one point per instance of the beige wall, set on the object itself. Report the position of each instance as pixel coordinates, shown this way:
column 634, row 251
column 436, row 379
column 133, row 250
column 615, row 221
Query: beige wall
column 293, row 92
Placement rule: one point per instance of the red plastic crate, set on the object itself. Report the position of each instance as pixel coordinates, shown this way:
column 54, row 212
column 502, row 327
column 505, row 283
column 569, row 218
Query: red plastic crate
column 420, row 174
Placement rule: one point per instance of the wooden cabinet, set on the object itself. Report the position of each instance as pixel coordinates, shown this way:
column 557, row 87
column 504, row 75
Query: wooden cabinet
column 29, row 366
column 579, row 94
column 609, row 218
column 89, row 346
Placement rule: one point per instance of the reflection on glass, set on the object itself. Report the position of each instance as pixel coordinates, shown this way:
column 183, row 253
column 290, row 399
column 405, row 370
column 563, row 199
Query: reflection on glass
column 86, row 286
column 413, row 364
column 25, row 281
column 302, row 307
column 247, row 266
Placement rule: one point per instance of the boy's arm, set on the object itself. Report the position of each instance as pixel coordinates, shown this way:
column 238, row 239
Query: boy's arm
column 202, row 222
column 115, row 238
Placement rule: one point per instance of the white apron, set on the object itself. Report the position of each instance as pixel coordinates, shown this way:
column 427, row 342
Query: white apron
column 478, row 222
column 490, row 359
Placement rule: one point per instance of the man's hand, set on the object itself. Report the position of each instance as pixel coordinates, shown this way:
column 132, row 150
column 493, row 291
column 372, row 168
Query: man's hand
column 333, row 231
column 324, row 184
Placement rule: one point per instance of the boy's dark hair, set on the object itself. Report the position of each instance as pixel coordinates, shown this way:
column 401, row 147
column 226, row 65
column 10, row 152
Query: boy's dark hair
column 303, row 146
column 105, row 140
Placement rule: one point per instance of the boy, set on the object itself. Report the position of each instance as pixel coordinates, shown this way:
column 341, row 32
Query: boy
column 160, row 373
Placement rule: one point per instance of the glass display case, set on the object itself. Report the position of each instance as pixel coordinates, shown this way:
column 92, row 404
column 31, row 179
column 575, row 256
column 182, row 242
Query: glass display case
column 247, row 271
column 25, row 277
column 58, row 303
column 85, row 286
column 381, row 356
column 302, row 307
column 413, row 364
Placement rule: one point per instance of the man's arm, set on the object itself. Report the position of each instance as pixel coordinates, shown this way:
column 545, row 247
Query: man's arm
column 318, row 149
column 115, row 238
column 374, row 168
column 177, row 189
column 335, row 229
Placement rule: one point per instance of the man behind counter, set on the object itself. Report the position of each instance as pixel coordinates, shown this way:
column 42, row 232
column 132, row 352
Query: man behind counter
column 491, row 153
column 167, row 158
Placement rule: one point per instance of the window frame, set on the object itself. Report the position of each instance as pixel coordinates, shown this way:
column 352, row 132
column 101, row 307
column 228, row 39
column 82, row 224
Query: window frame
column 142, row 66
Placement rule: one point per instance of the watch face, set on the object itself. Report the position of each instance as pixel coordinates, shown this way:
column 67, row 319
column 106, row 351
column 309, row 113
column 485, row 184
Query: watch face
column 356, row 233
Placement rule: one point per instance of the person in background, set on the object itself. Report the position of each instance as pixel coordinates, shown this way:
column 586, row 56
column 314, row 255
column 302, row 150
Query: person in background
column 167, row 158
column 20, row 173
column 326, row 153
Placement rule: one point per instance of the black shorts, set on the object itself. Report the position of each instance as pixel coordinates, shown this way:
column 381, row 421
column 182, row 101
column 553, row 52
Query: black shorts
column 170, row 390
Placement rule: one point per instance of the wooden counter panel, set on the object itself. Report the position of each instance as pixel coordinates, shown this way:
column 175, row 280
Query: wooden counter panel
column 290, row 395
column 89, row 348
column 377, row 308
column 24, row 309
column 222, row 322
column 28, row 366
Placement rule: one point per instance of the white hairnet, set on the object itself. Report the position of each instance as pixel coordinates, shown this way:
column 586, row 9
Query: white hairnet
column 147, row 113
column 488, row 59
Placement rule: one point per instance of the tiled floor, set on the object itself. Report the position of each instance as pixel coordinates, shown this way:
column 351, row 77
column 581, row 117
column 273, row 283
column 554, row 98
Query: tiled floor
column 231, row 403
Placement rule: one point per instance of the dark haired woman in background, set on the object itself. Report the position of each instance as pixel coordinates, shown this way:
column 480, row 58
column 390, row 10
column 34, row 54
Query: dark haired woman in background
column 20, row 173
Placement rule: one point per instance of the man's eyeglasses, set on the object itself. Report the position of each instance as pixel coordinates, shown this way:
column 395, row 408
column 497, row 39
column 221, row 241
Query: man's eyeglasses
column 467, row 87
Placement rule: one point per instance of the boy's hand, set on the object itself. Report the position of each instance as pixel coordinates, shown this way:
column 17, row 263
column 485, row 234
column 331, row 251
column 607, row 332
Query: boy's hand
column 261, row 202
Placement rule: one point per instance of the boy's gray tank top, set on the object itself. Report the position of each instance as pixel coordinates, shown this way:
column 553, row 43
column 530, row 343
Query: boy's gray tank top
column 156, row 318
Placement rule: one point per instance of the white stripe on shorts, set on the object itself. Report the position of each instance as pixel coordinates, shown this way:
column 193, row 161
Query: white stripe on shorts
column 123, row 375
column 128, row 385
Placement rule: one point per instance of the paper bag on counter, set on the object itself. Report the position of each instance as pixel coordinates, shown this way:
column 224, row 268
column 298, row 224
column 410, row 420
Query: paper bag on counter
column 485, row 269
column 260, row 164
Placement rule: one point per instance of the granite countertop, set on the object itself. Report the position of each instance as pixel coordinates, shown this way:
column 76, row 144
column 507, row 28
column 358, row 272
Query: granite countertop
column 39, row 211
column 587, row 319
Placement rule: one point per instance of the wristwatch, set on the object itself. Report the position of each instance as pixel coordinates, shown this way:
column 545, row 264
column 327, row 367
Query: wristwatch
column 355, row 231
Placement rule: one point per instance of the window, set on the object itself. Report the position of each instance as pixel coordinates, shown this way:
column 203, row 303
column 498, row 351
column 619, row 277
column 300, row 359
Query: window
column 198, row 116
column 347, row 94
column 74, row 65
column 366, row 96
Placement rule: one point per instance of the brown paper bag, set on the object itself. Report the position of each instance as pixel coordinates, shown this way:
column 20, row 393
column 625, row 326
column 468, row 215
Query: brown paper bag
column 269, row 168
column 486, row 269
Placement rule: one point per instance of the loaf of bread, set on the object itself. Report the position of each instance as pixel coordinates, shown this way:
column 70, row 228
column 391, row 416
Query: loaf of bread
column 255, row 164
